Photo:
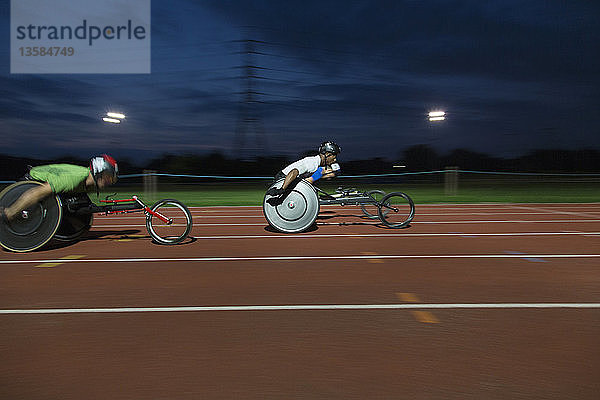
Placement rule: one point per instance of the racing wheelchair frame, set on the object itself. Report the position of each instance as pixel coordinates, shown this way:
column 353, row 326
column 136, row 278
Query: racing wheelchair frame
column 68, row 216
column 296, row 210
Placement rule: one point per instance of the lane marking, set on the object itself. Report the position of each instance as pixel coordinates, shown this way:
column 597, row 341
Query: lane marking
column 407, row 297
column 561, row 212
column 58, row 262
column 372, row 260
column 421, row 316
column 451, row 206
column 129, row 238
column 412, row 306
column 565, row 221
column 520, row 221
column 425, row 317
column 483, row 205
column 495, row 205
column 455, row 214
column 298, row 258
column 144, row 226
column 380, row 235
column 525, row 256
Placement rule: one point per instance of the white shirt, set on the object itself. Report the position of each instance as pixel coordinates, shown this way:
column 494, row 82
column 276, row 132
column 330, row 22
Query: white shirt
column 306, row 166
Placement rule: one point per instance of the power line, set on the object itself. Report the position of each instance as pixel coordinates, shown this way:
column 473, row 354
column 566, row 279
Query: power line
column 248, row 117
column 340, row 52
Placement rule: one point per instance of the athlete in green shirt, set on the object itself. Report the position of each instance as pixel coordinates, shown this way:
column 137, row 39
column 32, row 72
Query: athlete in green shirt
column 64, row 178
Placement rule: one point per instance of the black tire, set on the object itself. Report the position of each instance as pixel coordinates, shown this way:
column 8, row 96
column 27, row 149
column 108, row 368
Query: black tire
column 33, row 227
column 169, row 233
column 74, row 224
column 396, row 210
column 371, row 210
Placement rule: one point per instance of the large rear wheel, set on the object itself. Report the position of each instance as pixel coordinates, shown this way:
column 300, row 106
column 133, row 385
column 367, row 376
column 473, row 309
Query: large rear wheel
column 294, row 211
column 33, row 227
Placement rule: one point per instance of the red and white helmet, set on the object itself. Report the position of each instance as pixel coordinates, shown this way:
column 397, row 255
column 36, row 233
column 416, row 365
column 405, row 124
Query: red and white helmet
column 104, row 164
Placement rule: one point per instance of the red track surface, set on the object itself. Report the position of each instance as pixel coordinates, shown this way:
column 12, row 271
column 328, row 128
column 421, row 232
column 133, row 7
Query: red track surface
column 451, row 255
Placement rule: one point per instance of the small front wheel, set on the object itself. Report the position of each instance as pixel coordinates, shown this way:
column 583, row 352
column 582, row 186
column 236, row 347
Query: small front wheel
column 171, row 222
column 396, row 210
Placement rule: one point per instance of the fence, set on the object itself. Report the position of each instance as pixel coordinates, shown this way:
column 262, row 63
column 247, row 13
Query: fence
column 449, row 185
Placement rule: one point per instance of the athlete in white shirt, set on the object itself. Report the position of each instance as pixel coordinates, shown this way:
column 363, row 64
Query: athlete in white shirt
column 307, row 166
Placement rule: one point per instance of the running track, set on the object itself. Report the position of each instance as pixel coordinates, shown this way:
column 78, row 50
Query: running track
column 474, row 301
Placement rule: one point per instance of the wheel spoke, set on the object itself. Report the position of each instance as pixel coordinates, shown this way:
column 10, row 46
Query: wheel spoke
column 177, row 225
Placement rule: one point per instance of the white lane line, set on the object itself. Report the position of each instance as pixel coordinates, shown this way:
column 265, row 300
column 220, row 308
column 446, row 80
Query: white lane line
column 383, row 235
column 298, row 258
column 492, row 205
column 195, row 224
column 303, row 308
column 561, row 212
column 520, row 221
column 394, row 235
column 449, row 206
column 568, row 221
column 195, row 217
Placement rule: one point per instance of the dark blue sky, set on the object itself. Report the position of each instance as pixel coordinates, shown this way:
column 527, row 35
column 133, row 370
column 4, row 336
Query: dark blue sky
column 512, row 75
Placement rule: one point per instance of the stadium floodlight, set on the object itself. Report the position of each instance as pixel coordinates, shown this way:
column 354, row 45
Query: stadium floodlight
column 112, row 120
column 434, row 114
column 437, row 116
column 115, row 115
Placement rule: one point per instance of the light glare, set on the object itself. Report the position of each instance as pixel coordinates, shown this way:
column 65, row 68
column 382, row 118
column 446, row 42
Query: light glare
column 437, row 118
column 115, row 115
column 437, row 114
column 113, row 120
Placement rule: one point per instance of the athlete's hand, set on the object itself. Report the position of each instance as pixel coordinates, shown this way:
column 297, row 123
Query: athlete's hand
column 275, row 191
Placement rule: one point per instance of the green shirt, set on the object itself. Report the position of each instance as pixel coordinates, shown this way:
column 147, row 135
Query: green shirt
column 62, row 177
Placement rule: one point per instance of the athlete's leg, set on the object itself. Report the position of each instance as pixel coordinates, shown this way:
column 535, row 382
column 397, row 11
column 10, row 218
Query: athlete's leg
column 27, row 199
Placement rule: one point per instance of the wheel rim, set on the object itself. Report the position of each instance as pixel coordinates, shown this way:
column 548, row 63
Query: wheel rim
column 33, row 227
column 174, row 232
column 371, row 210
column 293, row 208
column 295, row 212
column 397, row 210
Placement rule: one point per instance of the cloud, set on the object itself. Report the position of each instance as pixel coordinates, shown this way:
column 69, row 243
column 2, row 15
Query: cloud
column 510, row 40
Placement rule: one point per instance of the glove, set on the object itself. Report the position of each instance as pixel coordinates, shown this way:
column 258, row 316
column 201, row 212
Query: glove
column 275, row 191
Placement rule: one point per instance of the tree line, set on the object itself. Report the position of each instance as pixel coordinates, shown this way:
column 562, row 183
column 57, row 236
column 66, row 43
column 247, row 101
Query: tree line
column 414, row 159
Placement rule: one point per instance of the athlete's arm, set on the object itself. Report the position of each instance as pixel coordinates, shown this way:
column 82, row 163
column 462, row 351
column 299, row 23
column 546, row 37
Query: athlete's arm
column 289, row 178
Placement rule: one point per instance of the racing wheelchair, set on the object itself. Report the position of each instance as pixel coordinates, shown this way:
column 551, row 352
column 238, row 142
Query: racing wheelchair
column 68, row 216
column 297, row 208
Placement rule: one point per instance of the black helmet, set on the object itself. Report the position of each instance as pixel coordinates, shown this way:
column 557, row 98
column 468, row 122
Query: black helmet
column 329, row 147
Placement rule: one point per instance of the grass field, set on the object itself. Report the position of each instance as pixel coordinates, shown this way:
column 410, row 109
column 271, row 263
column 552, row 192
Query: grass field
column 252, row 194
column 500, row 191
